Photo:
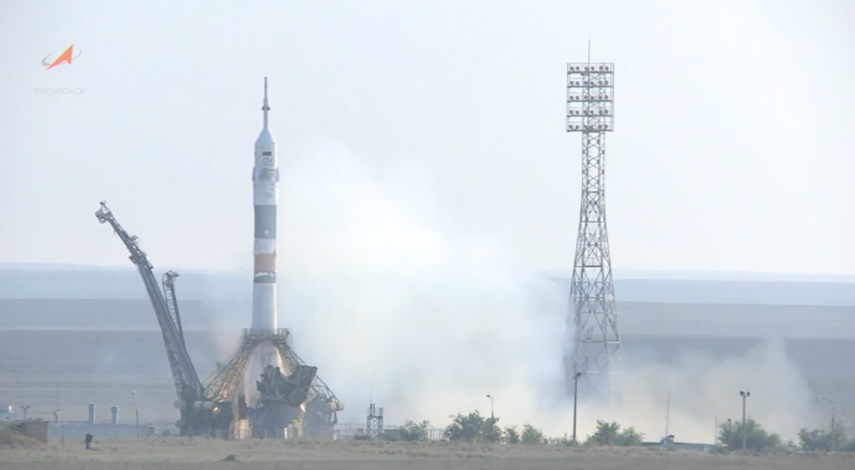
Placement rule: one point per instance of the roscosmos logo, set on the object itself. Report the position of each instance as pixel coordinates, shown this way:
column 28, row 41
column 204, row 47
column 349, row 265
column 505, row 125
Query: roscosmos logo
column 52, row 60
column 62, row 82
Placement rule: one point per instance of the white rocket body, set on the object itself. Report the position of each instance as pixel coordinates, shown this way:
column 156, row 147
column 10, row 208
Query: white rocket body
column 265, row 196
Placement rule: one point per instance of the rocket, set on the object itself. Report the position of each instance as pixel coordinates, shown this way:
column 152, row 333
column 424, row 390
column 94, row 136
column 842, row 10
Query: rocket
column 265, row 195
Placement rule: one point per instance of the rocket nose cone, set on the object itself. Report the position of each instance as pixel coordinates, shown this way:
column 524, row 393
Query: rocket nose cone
column 265, row 138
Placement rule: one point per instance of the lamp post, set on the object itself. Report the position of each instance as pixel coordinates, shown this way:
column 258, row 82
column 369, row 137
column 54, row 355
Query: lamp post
column 744, row 395
column 822, row 398
column 575, row 394
column 136, row 411
column 25, row 408
column 492, row 416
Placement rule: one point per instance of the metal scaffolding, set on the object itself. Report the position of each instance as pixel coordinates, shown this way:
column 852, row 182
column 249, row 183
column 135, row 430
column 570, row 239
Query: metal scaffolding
column 293, row 396
column 374, row 421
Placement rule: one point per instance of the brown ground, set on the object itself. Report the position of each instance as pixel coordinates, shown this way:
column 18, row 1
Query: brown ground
column 11, row 439
column 184, row 454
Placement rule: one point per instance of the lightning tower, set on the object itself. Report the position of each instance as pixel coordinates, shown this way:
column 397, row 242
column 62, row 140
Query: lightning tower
column 593, row 318
column 265, row 195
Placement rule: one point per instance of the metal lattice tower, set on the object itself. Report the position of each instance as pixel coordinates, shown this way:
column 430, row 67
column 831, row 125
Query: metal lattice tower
column 590, row 111
column 374, row 421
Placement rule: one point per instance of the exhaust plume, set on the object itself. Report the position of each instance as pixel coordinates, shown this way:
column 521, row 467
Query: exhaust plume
column 396, row 306
column 384, row 296
column 705, row 389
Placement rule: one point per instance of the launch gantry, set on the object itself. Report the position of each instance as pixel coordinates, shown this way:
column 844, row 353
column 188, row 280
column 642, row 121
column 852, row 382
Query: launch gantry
column 187, row 384
column 295, row 397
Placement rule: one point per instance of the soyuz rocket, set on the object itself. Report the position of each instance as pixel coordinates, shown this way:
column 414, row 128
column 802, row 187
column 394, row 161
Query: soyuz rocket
column 265, row 195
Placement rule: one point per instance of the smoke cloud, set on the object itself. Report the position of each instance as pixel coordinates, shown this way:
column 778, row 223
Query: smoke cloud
column 705, row 390
column 397, row 307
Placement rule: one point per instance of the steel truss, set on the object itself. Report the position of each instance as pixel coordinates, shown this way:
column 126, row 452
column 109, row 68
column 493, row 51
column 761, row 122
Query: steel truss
column 593, row 316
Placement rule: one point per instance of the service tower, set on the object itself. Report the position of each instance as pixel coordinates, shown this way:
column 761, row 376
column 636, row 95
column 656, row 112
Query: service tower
column 265, row 195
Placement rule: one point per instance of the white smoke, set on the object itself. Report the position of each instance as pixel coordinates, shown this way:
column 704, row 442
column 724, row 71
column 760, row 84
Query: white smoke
column 394, row 305
column 705, row 390
column 387, row 299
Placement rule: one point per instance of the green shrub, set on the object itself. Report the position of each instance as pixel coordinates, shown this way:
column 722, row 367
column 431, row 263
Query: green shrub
column 472, row 428
column 412, row 431
column 512, row 435
column 629, row 437
column 610, row 434
column 757, row 439
column 821, row 439
column 531, row 435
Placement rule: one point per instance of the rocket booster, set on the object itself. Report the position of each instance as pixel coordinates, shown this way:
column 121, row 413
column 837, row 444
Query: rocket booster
column 265, row 195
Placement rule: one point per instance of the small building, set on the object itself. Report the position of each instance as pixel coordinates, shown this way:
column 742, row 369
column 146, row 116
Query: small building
column 6, row 414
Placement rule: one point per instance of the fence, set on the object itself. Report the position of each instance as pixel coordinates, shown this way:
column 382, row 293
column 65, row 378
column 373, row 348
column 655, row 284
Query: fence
column 347, row 431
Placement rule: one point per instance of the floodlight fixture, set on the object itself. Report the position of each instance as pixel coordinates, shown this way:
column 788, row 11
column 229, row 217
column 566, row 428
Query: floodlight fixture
column 590, row 97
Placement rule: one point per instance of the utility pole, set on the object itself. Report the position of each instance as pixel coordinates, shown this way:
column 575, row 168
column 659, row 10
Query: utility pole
column 57, row 412
column 25, row 408
column 136, row 411
column 492, row 417
column 744, row 396
column 575, row 401
column 667, row 414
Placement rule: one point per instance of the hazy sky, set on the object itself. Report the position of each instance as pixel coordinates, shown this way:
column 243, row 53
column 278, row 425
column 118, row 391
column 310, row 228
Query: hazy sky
column 733, row 147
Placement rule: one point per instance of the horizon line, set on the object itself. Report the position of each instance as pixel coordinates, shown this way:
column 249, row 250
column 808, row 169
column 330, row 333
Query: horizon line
column 660, row 274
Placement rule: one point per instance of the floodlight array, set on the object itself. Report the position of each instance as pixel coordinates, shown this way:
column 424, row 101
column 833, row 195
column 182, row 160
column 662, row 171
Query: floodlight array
column 590, row 97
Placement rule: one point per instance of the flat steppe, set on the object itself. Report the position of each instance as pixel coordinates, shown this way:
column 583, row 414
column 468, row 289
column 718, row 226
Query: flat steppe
column 186, row 454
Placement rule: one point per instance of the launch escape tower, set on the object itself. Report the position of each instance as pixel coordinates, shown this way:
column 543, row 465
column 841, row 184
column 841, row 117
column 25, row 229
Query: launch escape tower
column 594, row 326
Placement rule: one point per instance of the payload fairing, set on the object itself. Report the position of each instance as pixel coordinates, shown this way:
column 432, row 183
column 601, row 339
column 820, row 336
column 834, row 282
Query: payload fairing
column 265, row 195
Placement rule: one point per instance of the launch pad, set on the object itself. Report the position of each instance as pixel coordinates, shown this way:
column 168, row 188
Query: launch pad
column 288, row 400
column 291, row 400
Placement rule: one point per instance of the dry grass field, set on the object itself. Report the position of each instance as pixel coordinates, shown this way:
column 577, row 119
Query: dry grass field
column 185, row 454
